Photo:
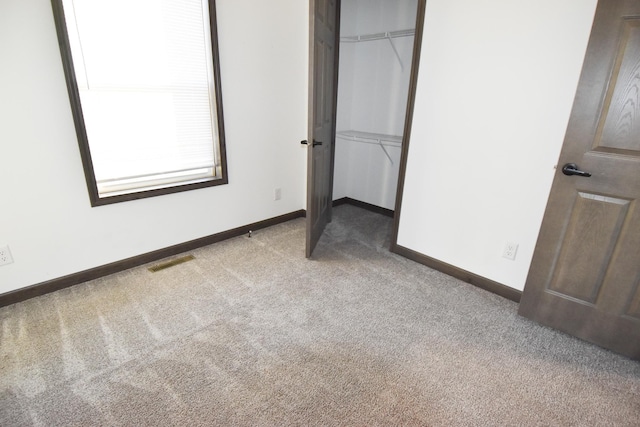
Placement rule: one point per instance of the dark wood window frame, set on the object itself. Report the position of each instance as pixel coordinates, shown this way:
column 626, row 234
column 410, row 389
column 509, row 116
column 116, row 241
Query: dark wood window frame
column 83, row 143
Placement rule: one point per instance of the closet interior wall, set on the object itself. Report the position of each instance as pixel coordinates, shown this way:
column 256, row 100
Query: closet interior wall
column 375, row 65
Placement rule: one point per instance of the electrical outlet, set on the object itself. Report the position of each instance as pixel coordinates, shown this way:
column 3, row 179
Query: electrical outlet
column 5, row 255
column 510, row 250
column 277, row 193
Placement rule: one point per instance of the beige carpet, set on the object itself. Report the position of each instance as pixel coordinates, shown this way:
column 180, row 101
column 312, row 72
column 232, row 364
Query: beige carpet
column 252, row 333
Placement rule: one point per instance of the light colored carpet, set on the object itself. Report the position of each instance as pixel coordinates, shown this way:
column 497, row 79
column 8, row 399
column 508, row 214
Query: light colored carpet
column 252, row 333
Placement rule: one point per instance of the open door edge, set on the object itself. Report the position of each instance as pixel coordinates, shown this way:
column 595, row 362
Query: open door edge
column 408, row 122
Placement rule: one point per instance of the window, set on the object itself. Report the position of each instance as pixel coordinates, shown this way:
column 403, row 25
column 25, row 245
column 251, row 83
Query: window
column 144, row 85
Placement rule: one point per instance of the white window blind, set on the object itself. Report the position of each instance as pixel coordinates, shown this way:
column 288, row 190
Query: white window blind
column 144, row 71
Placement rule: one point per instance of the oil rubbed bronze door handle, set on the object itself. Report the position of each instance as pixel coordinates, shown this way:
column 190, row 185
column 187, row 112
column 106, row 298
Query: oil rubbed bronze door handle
column 305, row 142
column 572, row 169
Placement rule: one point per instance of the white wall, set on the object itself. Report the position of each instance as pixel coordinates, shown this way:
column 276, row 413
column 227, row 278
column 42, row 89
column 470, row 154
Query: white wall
column 495, row 89
column 372, row 97
column 45, row 215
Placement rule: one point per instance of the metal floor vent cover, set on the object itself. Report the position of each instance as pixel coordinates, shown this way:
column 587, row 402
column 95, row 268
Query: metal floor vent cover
column 170, row 263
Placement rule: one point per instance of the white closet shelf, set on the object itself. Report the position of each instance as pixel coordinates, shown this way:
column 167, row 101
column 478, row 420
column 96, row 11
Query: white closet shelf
column 378, row 36
column 380, row 139
column 387, row 35
column 371, row 138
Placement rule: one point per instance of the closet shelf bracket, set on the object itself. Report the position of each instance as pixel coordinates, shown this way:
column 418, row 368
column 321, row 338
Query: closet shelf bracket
column 393, row 46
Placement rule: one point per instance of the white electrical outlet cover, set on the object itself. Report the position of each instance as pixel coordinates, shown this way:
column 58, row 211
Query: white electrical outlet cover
column 5, row 255
column 510, row 251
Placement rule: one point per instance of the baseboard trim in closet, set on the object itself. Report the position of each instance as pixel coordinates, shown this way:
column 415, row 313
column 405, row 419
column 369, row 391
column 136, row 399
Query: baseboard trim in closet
column 464, row 275
column 364, row 205
column 53, row 285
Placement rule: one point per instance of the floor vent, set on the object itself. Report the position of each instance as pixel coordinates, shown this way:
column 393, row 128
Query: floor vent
column 171, row 263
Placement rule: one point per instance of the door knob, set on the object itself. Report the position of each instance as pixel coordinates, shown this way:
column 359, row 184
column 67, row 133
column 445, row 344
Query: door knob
column 572, row 169
column 305, row 142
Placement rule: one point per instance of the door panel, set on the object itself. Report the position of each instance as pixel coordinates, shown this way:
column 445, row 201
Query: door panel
column 321, row 10
column 595, row 223
column 585, row 274
column 619, row 124
column 323, row 90
column 318, row 94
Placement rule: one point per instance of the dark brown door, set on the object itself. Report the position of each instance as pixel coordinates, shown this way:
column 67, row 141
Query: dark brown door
column 322, row 108
column 585, row 273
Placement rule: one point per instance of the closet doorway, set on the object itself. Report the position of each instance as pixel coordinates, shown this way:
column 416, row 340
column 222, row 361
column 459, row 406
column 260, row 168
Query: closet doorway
column 376, row 54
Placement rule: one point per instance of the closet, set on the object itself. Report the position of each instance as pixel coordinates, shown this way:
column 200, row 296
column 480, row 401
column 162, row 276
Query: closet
column 376, row 47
